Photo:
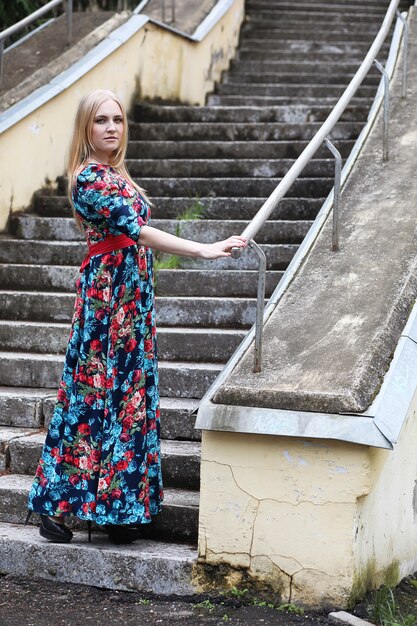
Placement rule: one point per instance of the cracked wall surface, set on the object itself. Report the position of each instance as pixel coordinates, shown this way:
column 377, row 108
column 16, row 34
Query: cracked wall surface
column 283, row 509
column 318, row 522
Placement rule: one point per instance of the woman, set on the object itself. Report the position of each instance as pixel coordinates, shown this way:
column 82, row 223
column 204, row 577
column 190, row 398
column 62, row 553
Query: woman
column 101, row 458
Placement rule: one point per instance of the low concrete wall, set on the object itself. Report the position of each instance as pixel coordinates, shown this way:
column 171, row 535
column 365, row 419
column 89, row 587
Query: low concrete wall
column 317, row 522
column 140, row 59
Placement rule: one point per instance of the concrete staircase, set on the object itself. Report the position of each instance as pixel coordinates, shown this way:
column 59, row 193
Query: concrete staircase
column 208, row 169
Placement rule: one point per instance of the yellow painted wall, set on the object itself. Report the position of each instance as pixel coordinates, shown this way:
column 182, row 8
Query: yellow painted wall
column 307, row 517
column 153, row 63
column 386, row 541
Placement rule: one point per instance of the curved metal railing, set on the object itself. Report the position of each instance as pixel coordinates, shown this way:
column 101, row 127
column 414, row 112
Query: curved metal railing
column 320, row 138
column 29, row 20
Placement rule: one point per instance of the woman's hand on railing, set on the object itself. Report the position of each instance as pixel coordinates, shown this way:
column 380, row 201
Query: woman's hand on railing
column 221, row 249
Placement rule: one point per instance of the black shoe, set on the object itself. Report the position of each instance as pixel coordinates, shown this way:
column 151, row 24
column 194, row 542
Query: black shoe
column 123, row 533
column 53, row 531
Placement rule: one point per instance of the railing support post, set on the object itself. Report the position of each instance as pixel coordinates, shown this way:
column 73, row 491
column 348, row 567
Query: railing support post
column 69, row 20
column 163, row 10
column 1, row 61
column 405, row 53
column 260, row 305
column 336, row 192
column 380, row 67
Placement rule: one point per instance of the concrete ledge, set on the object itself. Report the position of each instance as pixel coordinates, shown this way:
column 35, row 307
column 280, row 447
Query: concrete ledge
column 146, row 566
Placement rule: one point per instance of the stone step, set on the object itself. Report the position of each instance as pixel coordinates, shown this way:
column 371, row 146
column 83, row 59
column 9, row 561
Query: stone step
column 323, row 76
column 147, row 566
column 306, row 67
column 199, row 168
column 180, row 459
column 302, row 125
column 282, row 149
column 32, row 227
column 292, row 119
column 33, row 408
column 71, row 254
column 301, row 50
column 183, row 344
column 292, row 91
column 237, row 187
column 252, row 34
column 207, row 208
column 346, row 21
column 239, row 100
column 305, row 8
column 179, row 311
column 177, row 520
column 178, row 379
column 333, row 5
column 227, row 168
column 205, row 283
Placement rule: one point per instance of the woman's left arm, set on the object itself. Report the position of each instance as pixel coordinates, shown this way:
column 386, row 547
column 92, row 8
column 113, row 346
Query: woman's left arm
column 165, row 242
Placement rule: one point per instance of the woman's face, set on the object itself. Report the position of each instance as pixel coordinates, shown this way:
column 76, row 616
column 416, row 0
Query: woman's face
column 107, row 130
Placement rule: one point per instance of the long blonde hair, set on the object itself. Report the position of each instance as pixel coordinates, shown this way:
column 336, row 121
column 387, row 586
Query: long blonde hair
column 81, row 146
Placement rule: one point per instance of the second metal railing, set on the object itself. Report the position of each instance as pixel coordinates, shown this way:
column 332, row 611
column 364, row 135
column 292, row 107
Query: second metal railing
column 12, row 30
column 320, row 138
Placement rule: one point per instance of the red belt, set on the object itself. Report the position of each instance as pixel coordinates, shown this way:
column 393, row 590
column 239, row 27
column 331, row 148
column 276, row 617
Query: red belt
column 109, row 244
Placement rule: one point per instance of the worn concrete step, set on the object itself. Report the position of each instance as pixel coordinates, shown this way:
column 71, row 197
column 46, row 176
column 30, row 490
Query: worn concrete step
column 292, row 91
column 306, row 8
column 251, row 34
column 307, row 20
column 180, row 459
column 238, row 187
column 7, row 435
column 333, row 5
column 31, row 227
column 23, row 408
column 147, row 565
column 238, row 284
column 301, row 50
column 306, row 67
column 302, row 124
column 177, row 520
column 218, row 312
column 146, row 116
column 184, row 344
column 33, row 408
column 178, row 379
column 199, row 168
column 239, row 100
column 208, row 208
column 206, row 283
column 322, row 77
column 282, row 149
column 72, row 253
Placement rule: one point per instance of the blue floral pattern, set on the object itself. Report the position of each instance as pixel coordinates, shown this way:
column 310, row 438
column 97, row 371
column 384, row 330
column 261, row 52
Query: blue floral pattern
column 101, row 457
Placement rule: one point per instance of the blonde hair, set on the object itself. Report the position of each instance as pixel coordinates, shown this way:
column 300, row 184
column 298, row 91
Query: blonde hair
column 81, row 146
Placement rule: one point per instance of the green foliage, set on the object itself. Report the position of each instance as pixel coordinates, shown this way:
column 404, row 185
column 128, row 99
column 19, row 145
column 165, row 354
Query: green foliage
column 238, row 593
column 144, row 601
column 171, row 262
column 12, row 12
column 205, row 604
column 288, row 607
column 225, row 618
column 383, row 610
column 194, row 211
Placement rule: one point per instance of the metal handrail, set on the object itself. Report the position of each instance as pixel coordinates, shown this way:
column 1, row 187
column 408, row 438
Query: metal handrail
column 172, row 11
column 8, row 32
column 316, row 142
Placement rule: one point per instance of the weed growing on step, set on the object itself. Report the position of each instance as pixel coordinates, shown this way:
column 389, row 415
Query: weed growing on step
column 284, row 607
column 171, row 262
column 205, row 604
column 194, row 211
column 384, row 611
column 144, row 601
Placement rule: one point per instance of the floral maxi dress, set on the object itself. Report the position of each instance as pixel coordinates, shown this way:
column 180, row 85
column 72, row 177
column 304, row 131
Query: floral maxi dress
column 101, row 457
